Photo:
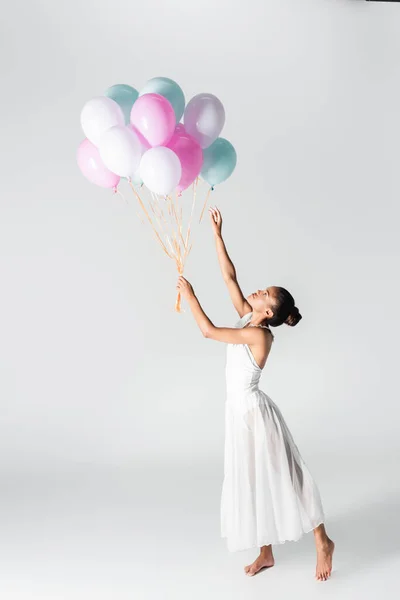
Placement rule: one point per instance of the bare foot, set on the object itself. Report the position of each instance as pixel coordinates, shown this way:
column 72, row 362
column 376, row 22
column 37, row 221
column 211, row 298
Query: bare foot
column 324, row 559
column 266, row 559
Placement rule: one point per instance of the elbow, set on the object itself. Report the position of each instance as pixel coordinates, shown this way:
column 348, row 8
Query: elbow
column 207, row 333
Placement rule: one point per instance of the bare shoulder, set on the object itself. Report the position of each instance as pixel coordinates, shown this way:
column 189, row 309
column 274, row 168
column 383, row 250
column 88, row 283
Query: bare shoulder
column 263, row 336
column 261, row 345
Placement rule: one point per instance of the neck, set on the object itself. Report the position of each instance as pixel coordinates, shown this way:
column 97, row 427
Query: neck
column 258, row 319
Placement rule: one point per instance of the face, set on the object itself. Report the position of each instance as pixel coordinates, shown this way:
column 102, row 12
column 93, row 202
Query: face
column 263, row 301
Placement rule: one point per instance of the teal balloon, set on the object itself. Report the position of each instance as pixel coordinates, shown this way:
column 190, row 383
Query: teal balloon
column 135, row 179
column 170, row 90
column 125, row 96
column 219, row 161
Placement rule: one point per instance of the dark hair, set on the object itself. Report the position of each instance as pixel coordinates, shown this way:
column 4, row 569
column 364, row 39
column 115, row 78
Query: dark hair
column 284, row 309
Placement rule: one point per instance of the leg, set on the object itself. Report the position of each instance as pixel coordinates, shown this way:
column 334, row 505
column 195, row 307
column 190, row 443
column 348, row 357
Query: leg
column 265, row 559
column 325, row 548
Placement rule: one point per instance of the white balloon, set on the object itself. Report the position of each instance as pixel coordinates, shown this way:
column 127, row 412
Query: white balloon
column 136, row 177
column 98, row 115
column 204, row 118
column 161, row 170
column 120, row 150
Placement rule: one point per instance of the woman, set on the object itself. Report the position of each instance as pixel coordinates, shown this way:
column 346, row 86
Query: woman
column 268, row 494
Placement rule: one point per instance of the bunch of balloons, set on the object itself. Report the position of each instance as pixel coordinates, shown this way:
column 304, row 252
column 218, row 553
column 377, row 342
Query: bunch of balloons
column 140, row 137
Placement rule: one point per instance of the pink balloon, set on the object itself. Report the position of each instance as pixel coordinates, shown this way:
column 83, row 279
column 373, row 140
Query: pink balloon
column 154, row 118
column 144, row 143
column 92, row 166
column 189, row 153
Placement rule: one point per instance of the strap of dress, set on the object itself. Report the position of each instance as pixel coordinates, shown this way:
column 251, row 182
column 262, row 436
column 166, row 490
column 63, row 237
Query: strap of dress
column 244, row 322
column 263, row 326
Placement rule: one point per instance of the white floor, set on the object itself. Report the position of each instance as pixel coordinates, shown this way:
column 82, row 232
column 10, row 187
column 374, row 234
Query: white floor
column 152, row 533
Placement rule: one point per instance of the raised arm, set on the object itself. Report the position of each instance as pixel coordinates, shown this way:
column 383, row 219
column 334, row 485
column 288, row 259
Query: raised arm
column 251, row 336
column 227, row 268
column 254, row 337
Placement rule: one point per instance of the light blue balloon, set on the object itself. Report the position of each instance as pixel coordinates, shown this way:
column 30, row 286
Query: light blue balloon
column 125, row 96
column 135, row 179
column 219, row 161
column 170, row 90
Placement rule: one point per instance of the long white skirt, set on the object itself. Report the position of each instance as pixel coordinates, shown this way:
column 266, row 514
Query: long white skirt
column 268, row 494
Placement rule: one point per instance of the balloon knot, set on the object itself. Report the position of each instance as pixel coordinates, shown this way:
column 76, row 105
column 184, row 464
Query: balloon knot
column 212, row 188
column 129, row 179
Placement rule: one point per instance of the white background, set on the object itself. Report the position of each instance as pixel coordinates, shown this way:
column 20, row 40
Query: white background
column 111, row 440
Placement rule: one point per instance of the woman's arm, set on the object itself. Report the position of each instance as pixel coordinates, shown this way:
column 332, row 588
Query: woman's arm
column 227, row 268
column 251, row 336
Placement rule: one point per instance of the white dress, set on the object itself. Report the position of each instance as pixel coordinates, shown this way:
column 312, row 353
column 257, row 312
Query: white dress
column 268, row 494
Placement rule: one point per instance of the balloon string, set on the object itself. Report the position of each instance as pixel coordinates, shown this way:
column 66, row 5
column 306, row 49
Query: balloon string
column 178, row 304
column 150, row 221
column 157, row 215
column 116, row 191
column 205, row 204
column 177, row 240
column 165, row 216
column 195, row 184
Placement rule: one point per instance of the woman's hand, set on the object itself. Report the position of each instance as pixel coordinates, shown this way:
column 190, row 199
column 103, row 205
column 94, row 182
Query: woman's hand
column 216, row 220
column 185, row 288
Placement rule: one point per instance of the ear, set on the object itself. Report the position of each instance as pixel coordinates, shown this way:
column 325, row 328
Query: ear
column 269, row 313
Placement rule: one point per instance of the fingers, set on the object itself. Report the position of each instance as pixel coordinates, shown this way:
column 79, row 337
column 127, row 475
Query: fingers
column 184, row 287
column 215, row 214
column 181, row 281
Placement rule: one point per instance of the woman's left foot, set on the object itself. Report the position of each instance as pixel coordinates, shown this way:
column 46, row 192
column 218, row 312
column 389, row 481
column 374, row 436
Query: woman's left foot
column 263, row 561
column 324, row 560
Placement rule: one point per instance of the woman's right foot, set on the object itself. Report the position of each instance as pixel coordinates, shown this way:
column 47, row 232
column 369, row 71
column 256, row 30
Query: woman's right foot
column 265, row 559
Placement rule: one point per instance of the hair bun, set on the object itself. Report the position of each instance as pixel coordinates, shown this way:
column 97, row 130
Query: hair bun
column 294, row 317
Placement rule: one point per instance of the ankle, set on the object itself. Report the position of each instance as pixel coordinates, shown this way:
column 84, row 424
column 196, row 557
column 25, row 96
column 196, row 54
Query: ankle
column 320, row 534
column 322, row 539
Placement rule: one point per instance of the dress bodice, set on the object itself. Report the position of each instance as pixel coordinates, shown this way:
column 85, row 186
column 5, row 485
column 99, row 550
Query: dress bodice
column 242, row 371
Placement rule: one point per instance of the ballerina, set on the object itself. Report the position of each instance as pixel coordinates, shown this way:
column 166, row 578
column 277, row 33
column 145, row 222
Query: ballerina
column 268, row 494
